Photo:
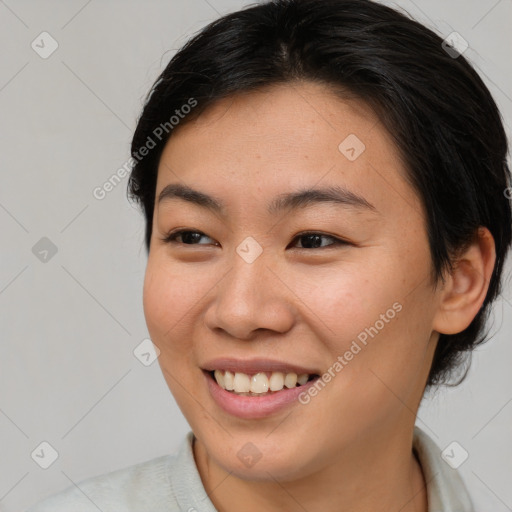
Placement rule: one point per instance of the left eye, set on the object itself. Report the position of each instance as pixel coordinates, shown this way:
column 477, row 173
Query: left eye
column 313, row 240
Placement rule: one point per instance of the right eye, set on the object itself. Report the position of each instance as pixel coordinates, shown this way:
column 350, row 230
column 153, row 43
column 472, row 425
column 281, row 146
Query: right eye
column 188, row 236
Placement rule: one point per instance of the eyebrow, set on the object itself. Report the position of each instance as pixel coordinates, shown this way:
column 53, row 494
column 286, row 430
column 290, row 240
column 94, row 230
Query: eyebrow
column 288, row 201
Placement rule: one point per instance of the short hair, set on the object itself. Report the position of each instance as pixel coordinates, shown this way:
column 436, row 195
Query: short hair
column 443, row 119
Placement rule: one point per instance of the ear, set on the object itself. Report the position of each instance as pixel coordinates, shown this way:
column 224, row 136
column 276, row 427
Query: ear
column 466, row 286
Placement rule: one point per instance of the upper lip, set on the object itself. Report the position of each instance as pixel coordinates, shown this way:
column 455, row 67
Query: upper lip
column 253, row 366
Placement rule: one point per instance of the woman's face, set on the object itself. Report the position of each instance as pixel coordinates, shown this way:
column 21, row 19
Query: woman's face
column 247, row 290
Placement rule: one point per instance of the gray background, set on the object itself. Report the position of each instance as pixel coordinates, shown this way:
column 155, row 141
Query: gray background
column 69, row 325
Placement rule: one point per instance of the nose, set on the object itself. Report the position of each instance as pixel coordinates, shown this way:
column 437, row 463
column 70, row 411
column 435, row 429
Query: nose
column 250, row 298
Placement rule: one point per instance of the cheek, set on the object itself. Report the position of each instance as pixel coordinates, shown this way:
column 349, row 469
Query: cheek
column 347, row 299
column 381, row 335
column 170, row 296
column 379, row 315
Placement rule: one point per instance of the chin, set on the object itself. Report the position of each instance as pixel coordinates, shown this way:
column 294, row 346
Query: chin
column 255, row 458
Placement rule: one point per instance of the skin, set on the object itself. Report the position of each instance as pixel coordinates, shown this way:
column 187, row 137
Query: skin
column 350, row 448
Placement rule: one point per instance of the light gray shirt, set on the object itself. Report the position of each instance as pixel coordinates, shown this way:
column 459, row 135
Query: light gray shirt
column 171, row 483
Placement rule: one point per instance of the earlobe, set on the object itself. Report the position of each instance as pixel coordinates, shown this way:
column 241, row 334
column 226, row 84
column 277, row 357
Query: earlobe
column 466, row 286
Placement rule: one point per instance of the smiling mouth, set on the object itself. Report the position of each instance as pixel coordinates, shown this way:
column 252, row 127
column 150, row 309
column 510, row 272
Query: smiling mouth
column 259, row 384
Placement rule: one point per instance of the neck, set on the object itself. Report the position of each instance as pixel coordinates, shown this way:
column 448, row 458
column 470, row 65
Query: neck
column 381, row 474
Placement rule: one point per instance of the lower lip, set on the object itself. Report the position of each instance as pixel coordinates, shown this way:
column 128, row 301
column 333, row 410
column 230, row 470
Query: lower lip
column 254, row 407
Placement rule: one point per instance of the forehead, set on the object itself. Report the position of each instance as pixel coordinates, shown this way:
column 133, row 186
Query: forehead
column 283, row 138
column 284, row 113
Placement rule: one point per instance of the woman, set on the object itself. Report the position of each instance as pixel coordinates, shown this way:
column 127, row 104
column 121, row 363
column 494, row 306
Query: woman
column 324, row 185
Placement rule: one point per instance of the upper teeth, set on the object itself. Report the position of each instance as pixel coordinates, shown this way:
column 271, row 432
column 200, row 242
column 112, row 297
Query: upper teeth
column 258, row 383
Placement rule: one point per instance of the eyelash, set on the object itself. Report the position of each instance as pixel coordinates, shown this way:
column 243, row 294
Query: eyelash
column 171, row 238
